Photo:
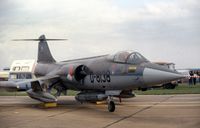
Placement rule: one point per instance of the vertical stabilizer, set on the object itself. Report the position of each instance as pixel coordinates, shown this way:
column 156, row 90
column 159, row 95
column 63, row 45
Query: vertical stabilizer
column 44, row 54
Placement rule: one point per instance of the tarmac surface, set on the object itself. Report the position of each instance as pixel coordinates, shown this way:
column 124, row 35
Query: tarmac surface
column 143, row 111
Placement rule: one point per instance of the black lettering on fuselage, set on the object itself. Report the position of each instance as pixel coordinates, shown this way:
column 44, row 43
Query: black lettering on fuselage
column 100, row 77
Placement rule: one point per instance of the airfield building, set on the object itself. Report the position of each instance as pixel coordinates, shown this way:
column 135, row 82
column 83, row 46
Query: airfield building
column 22, row 69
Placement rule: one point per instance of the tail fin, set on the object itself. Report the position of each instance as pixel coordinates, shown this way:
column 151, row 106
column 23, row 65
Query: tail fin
column 44, row 54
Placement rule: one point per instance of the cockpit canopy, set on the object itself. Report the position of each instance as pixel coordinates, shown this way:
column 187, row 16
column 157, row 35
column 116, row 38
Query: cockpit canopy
column 129, row 57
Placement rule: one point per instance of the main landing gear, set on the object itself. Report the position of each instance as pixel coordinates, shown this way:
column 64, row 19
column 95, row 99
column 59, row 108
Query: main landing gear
column 111, row 104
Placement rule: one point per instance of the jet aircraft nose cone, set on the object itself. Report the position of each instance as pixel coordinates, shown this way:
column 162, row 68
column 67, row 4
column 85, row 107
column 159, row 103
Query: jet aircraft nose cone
column 157, row 76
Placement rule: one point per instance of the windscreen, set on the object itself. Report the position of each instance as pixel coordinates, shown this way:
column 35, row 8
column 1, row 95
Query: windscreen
column 129, row 57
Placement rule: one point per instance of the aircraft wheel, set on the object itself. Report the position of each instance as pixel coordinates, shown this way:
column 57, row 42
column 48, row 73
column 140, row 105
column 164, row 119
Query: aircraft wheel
column 169, row 86
column 111, row 106
column 144, row 89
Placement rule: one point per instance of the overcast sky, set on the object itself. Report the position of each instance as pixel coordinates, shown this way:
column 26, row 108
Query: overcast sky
column 161, row 30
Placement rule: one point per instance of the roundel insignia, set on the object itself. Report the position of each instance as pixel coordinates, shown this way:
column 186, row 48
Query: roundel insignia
column 70, row 73
column 113, row 68
column 71, row 70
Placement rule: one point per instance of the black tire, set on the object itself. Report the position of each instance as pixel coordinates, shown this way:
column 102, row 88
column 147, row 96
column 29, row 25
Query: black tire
column 144, row 89
column 169, row 86
column 173, row 86
column 111, row 106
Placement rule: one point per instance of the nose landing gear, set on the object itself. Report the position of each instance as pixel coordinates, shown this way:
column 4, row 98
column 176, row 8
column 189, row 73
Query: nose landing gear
column 111, row 104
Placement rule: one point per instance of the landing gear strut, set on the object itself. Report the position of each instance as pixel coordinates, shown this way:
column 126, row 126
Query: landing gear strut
column 111, row 105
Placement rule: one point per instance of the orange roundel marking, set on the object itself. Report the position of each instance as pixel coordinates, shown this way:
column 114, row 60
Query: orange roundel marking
column 113, row 68
column 71, row 70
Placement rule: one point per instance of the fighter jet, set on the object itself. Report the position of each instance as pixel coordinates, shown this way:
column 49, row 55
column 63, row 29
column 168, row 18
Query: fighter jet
column 98, row 78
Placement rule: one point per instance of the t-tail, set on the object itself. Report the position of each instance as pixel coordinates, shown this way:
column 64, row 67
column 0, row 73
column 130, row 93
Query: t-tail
column 44, row 53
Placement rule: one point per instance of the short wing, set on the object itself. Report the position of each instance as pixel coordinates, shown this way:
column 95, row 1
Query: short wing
column 35, row 88
column 8, row 86
column 28, row 83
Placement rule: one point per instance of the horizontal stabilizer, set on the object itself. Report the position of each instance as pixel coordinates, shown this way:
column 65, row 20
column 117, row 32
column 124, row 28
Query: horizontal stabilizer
column 38, row 39
column 44, row 54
